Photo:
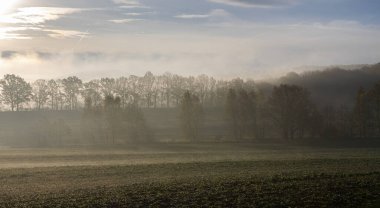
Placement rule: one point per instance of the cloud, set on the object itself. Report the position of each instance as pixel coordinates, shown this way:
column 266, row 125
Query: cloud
column 256, row 3
column 236, row 47
column 139, row 13
column 129, row 4
column 181, row 54
column 75, row 57
column 124, row 21
column 40, row 55
column 9, row 33
column 46, row 55
column 134, row 14
column 213, row 13
column 30, row 22
column 59, row 34
column 193, row 16
column 9, row 54
column 37, row 15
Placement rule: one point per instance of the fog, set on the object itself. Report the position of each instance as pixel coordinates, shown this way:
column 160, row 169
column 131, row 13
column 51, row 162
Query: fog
column 177, row 103
column 154, row 108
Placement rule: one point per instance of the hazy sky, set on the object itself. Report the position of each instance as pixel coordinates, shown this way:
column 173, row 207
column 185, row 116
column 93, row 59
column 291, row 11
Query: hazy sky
column 223, row 38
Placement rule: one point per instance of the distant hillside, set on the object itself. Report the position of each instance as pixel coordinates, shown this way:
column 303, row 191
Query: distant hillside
column 319, row 68
column 330, row 86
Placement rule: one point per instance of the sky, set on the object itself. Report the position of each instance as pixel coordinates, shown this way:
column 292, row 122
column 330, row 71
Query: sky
column 221, row 38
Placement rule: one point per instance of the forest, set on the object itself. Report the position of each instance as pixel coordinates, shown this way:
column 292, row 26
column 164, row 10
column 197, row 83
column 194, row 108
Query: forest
column 330, row 105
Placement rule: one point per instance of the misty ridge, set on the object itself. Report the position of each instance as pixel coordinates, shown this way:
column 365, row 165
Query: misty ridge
column 329, row 105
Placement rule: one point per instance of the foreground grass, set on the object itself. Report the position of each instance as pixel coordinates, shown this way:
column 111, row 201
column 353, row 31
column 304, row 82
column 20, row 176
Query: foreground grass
column 343, row 182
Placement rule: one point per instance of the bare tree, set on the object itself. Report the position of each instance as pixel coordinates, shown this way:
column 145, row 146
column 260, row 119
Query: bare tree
column 107, row 86
column 177, row 88
column 362, row 113
column 121, row 90
column 53, row 93
column 167, row 88
column 191, row 115
column 156, row 88
column 202, row 85
column 374, row 96
column 15, row 91
column 72, row 87
column 290, row 108
column 232, row 113
column 40, row 93
column 134, row 88
column 61, row 97
column 147, row 85
column 93, row 127
column 135, row 128
column 247, row 113
column 113, row 112
column 92, row 90
column 241, row 113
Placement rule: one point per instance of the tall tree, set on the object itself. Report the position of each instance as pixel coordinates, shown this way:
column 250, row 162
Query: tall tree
column 361, row 113
column 107, row 86
column 134, row 125
column 92, row 90
column 248, row 105
column 167, row 88
column 53, row 93
column 191, row 115
column 177, row 88
column 62, row 97
column 232, row 112
column 147, row 85
column 92, row 121
column 121, row 90
column 202, row 87
column 156, row 90
column 72, row 87
column 15, row 91
column 40, row 93
column 241, row 113
column 290, row 107
column 374, row 96
column 134, row 88
column 112, row 108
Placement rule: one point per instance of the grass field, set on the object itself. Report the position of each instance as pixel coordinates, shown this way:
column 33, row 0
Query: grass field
column 189, row 175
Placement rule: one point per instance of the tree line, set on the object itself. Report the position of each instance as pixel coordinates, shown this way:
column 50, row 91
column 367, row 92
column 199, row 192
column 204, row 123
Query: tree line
column 148, row 91
column 289, row 113
column 111, row 123
column 113, row 108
